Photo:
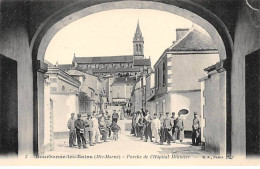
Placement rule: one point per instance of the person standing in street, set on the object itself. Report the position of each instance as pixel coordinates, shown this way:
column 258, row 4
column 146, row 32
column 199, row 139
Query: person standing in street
column 80, row 127
column 89, row 130
column 115, row 116
column 179, row 129
column 109, row 122
column 168, row 125
column 137, row 128
column 103, row 128
column 148, row 128
column 195, row 130
column 161, row 132
column 156, row 125
column 106, row 115
column 141, row 125
column 96, row 133
column 71, row 127
column 174, row 124
column 133, row 130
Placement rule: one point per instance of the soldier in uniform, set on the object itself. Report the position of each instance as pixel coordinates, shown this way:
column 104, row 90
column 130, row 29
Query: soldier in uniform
column 133, row 130
column 137, row 128
column 156, row 125
column 195, row 130
column 96, row 133
column 179, row 129
column 103, row 128
column 89, row 130
column 141, row 125
column 161, row 132
column 115, row 116
column 71, row 127
column 174, row 124
column 80, row 127
column 168, row 125
column 148, row 128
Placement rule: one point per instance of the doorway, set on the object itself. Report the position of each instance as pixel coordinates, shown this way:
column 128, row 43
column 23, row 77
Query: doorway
column 8, row 106
column 253, row 104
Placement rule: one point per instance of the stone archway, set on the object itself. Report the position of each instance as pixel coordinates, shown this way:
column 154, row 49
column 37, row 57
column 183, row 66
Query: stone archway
column 197, row 14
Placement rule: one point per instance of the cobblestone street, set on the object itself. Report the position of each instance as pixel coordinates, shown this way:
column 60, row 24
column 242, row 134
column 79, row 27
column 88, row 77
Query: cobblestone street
column 130, row 147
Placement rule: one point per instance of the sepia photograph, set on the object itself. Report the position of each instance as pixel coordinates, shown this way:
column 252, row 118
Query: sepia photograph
column 130, row 82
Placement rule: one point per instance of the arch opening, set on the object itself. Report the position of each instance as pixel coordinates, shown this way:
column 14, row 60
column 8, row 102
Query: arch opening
column 51, row 27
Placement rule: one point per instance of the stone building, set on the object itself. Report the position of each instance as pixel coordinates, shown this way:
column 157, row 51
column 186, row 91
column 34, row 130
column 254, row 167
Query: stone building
column 92, row 90
column 121, row 90
column 150, row 92
column 64, row 100
column 117, row 66
column 178, row 70
column 27, row 28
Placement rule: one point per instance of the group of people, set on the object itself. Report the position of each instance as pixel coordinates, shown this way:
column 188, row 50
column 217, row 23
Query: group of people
column 92, row 130
column 161, row 128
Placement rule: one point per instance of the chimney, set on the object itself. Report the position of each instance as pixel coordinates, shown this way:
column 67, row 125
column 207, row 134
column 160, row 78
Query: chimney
column 181, row 32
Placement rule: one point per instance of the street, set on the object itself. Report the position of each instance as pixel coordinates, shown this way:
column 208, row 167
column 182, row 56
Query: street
column 129, row 146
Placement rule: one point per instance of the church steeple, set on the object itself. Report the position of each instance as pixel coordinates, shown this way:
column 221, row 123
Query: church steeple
column 138, row 43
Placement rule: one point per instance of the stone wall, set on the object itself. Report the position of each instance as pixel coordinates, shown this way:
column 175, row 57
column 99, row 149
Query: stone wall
column 214, row 113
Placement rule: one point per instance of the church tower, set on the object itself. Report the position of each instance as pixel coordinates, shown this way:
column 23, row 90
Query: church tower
column 138, row 43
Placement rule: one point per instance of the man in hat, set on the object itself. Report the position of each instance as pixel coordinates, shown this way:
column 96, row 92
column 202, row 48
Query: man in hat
column 103, row 128
column 195, row 130
column 89, row 129
column 109, row 123
column 179, row 129
column 161, row 132
column 137, row 128
column 141, row 126
column 174, row 123
column 106, row 115
column 133, row 130
column 156, row 125
column 148, row 128
column 96, row 133
column 71, row 127
column 115, row 116
column 80, row 126
column 168, row 125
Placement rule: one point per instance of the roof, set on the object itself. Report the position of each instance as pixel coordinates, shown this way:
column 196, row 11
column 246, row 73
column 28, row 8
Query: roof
column 120, row 80
column 195, row 40
column 104, row 59
column 114, row 70
column 66, row 67
column 138, row 34
column 142, row 62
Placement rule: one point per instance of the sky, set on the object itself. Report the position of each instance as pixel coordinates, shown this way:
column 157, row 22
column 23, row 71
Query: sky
column 110, row 33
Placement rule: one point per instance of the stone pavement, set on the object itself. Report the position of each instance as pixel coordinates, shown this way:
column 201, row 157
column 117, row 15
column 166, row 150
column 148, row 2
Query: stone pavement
column 129, row 145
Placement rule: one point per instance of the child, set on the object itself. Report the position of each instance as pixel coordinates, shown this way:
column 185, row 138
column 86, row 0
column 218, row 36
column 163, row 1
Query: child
column 115, row 129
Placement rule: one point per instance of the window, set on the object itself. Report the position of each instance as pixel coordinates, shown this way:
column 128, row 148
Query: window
column 164, row 74
column 63, row 88
column 157, row 78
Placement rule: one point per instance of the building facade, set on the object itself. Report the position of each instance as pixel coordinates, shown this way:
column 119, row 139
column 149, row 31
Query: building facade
column 178, row 70
column 117, row 66
column 63, row 91
column 92, row 94
column 121, row 90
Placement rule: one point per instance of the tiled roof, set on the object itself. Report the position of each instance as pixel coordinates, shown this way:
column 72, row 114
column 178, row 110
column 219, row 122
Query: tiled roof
column 195, row 40
column 104, row 59
column 114, row 70
column 119, row 80
column 66, row 67
column 142, row 62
